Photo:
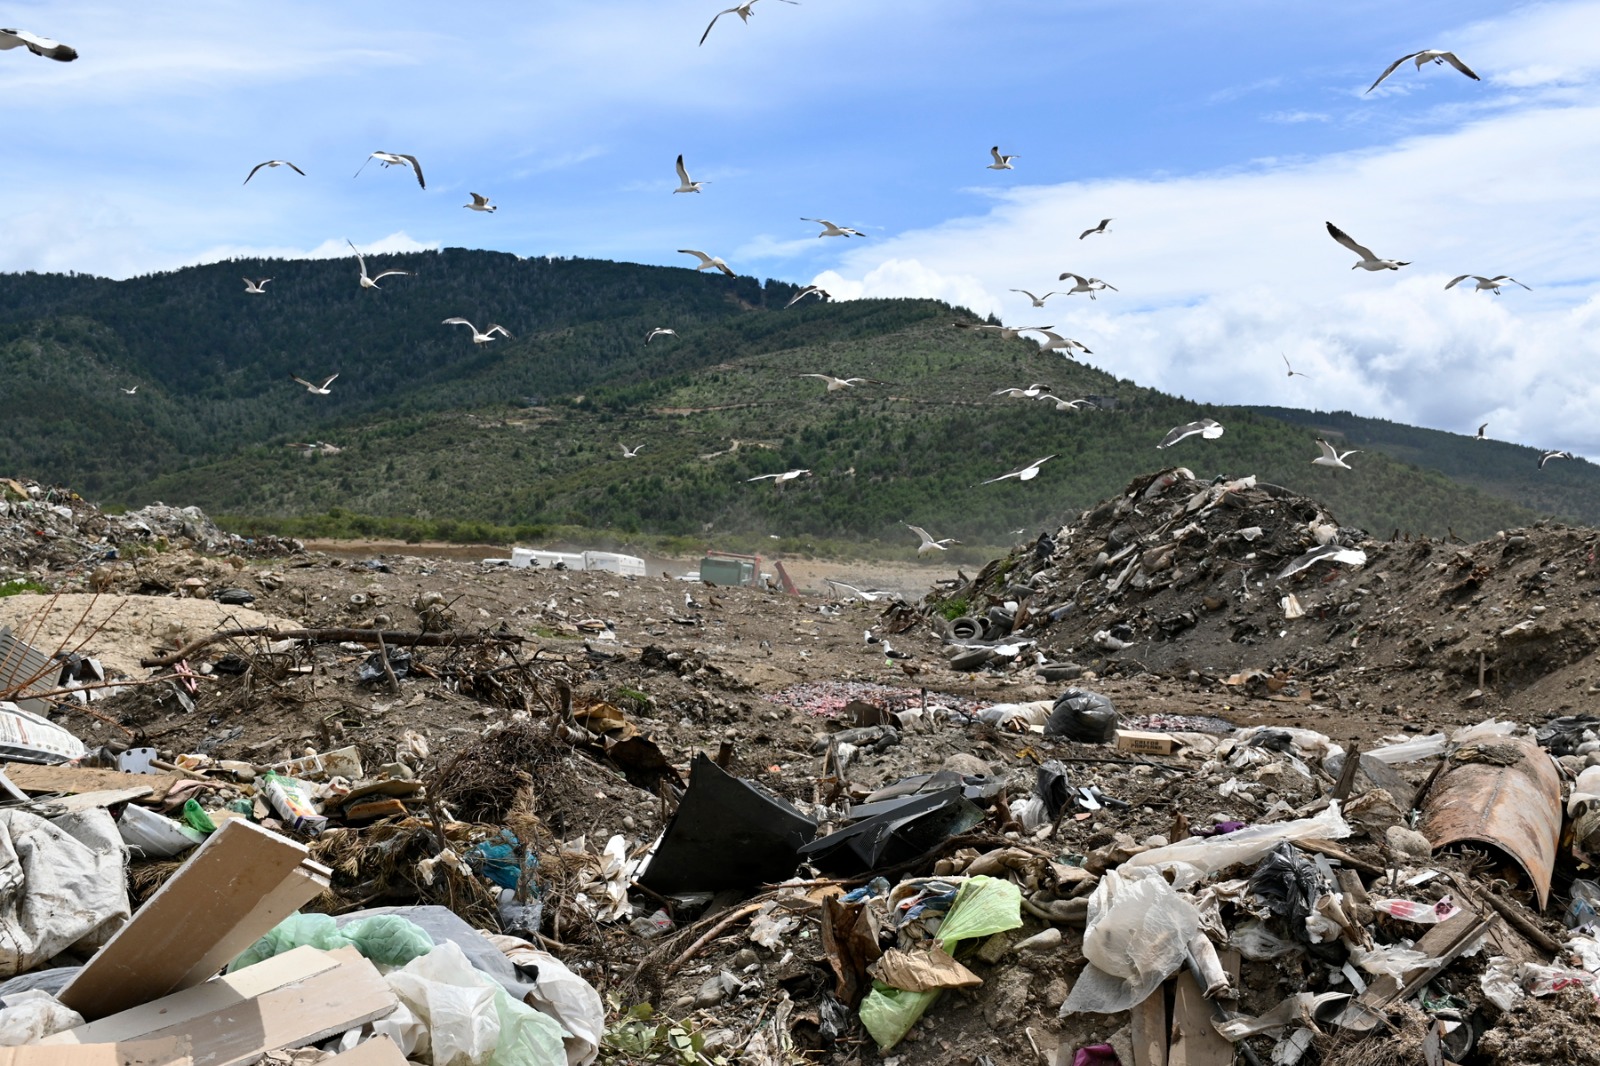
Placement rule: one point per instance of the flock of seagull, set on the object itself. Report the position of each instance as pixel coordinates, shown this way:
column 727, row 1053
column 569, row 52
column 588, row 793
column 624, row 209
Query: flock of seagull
column 1205, row 428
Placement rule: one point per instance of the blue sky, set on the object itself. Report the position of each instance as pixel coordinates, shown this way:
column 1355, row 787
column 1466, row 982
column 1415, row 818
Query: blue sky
column 1219, row 135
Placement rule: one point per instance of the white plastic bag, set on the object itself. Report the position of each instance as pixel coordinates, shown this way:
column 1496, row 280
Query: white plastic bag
column 55, row 889
column 563, row 995
column 1197, row 858
column 33, row 1015
column 470, row 1019
column 1135, row 938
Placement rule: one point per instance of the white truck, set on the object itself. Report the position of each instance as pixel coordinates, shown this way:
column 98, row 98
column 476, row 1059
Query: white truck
column 610, row 562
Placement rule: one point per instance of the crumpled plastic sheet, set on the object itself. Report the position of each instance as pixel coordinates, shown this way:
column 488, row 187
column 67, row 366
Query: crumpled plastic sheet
column 61, row 884
column 562, row 994
column 1195, row 859
column 1134, row 939
column 460, row 1017
column 34, row 1015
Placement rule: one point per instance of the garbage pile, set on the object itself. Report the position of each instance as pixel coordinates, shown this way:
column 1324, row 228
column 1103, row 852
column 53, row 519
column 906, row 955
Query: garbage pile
column 51, row 528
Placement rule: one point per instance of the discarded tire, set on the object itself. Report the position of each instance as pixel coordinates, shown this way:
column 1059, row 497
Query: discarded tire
column 1084, row 716
column 965, row 628
column 971, row 659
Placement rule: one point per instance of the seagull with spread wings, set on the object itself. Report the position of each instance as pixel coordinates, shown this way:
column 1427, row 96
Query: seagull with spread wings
column 480, row 203
column 835, row 384
column 1055, row 342
column 1292, row 371
column 630, row 453
column 255, row 286
column 1038, row 301
column 928, row 543
column 1368, row 261
column 659, row 332
column 684, row 184
column 1208, row 428
column 1101, row 228
column 830, row 230
column 1007, row 333
column 39, row 46
column 1481, row 429
column 1088, row 285
column 1068, row 405
column 372, row 283
column 818, row 291
column 1482, row 283
column 1027, row 473
column 1331, row 456
column 390, row 159
column 1036, row 389
column 1001, row 162
column 315, row 390
column 272, row 163
column 742, row 10
column 483, row 337
column 707, row 262
column 1434, row 55
column 1547, row 456
column 782, row 479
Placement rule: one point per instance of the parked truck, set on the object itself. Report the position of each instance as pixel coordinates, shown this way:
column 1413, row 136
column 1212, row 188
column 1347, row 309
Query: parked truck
column 733, row 568
column 610, row 562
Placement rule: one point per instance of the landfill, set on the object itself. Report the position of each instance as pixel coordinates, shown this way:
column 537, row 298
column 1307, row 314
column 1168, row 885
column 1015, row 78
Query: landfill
column 1197, row 777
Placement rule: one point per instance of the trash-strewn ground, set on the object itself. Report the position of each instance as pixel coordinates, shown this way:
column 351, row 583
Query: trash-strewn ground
column 1167, row 600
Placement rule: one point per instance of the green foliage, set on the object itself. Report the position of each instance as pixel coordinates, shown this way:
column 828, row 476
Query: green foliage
column 954, row 608
column 19, row 585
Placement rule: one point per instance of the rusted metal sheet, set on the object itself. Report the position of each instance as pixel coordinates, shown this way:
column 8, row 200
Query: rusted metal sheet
column 1503, row 792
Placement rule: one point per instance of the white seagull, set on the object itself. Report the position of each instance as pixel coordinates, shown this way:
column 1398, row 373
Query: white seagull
column 742, row 10
column 630, row 453
column 315, row 390
column 1088, row 285
column 390, row 159
column 1006, row 332
column 131, row 391
column 782, row 479
column 1068, row 405
column 372, row 283
column 39, row 46
column 257, row 286
column 928, row 543
column 1434, row 54
column 1055, row 342
column 479, row 338
column 830, row 230
column 1491, row 284
column 810, row 290
column 1101, row 228
column 1036, row 389
column 835, row 384
column 1292, row 371
column 1547, row 456
column 707, row 262
column 1027, row 473
column 1001, row 162
column 1209, row 428
column 1480, row 435
column 684, row 184
column 659, row 332
column 1368, row 261
column 480, row 203
column 1038, row 301
column 272, row 163
column 1331, row 456
column 866, row 595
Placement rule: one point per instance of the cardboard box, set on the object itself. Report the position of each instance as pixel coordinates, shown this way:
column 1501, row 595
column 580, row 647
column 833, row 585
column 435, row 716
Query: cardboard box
column 1146, row 743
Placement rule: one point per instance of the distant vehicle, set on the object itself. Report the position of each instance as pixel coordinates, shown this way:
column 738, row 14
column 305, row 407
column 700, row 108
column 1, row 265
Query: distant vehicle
column 733, row 568
column 609, row 562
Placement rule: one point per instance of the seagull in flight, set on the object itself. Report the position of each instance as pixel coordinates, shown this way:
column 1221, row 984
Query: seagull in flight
column 1547, row 456
column 1038, row 301
column 1001, row 162
column 830, row 230
column 272, row 163
column 1209, row 428
column 810, row 290
column 707, row 262
column 1008, row 333
column 1068, row 405
column 1480, row 435
column 315, row 390
column 1088, row 285
column 684, row 184
column 742, row 10
column 390, row 159
column 1368, row 261
column 1027, row 473
column 1055, row 342
column 630, row 453
column 372, row 283
column 480, row 203
column 1292, row 371
column 928, row 543
column 835, row 384
column 659, row 332
column 1481, row 283
column 1331, row 456
column 1036, row 389
column 39, row 46
column 782, row 479
column 479, row 338
column 1434, row 54
column 866, row 595
column 1101, row 228
column 255, row 286
column 131, row 391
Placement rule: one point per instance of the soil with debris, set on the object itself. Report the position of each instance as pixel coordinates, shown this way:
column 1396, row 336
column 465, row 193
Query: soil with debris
column 1173, row 599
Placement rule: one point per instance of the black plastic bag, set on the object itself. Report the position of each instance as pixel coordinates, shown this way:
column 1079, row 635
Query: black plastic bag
column 1084, row 716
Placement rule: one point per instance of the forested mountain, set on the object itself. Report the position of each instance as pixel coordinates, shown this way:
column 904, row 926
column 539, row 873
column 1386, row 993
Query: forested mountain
column 526, row 431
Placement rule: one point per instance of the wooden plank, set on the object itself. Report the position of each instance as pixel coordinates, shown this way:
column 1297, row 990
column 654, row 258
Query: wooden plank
column 308, row 881
column 1148, row 1021
column 1441, row 942
column 379, row 1051
column 84, row 801
column 31, row 777
column 227, row 991
column 302, row 1012
column 1195, row 1041
column 144, row 1053
column 211, row 909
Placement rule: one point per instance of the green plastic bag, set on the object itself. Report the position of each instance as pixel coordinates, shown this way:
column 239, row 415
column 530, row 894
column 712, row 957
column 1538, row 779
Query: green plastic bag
column 983, row 906
column 297, row 930
column 386, row 939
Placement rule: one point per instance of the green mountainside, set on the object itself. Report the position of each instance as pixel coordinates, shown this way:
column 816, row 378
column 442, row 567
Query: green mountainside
column 526, row 432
